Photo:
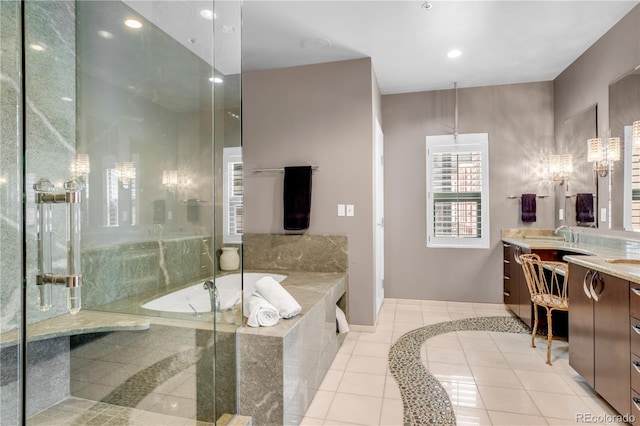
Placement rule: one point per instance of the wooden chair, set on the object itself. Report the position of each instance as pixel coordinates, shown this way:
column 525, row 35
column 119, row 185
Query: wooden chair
column 547, row 290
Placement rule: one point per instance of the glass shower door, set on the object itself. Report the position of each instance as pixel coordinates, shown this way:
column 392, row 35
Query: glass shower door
column 119, row 151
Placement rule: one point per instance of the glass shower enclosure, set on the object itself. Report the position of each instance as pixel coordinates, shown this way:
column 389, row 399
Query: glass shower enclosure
column 121, row 181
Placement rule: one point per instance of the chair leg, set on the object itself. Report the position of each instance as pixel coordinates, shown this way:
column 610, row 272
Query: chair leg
column 535, row 325
column 549, row 336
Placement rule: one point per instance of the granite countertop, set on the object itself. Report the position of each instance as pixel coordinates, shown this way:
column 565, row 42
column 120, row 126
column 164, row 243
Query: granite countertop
column 589, row 255
column 308, row 288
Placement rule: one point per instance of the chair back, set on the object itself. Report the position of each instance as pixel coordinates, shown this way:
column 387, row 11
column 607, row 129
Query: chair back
column 540, row 283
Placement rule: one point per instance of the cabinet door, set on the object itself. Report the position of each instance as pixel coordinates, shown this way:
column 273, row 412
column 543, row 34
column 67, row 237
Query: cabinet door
column 524, row 296
column 510, row 279
column 612, row 345
column 581, row 331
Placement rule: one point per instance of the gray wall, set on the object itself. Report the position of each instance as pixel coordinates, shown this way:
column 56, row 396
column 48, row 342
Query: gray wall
column 519, row 121
column 319, row 115
column 586, row 82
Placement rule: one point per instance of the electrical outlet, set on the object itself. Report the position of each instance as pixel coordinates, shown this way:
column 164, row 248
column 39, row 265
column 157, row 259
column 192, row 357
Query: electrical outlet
column 341, row 210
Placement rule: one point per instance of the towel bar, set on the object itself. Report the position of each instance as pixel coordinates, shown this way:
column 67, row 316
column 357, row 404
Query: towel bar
column 278, row 169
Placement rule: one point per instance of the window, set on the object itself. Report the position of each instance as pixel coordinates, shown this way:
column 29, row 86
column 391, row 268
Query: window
column 232, row 195
column 458, row 191
column 632, row 182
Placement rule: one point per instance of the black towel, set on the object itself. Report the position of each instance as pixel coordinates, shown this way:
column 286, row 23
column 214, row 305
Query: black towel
column 584, row 208
column 297, row 198
column 528, row 207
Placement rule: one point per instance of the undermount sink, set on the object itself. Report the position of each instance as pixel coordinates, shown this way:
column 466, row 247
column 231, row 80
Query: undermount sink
column 624, row 261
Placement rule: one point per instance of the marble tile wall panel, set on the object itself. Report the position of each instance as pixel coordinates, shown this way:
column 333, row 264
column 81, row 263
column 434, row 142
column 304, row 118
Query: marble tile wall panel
column 313, row 253
column 50, row 130
column 115, row 272
column 10, row 148
column 260, row 378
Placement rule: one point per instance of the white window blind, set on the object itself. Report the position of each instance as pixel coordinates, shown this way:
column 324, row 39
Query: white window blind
column 632, row 182
column 458, row 191
column 232, row 195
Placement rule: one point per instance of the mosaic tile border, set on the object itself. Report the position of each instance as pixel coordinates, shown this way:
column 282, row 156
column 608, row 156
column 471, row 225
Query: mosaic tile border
column 424, row 398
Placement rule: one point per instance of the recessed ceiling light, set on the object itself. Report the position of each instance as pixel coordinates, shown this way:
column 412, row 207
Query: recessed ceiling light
column 454, row 53
column 133, row 23
column 227, row 29
column 66, row 99
column 208, row 14
column 37, row 47
column 216, row 79
column 105, row 34
column 426, row 5
column 315, row 43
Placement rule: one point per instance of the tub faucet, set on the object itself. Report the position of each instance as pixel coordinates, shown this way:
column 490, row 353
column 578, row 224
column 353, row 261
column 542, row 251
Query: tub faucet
column 571, row 234
column 213, row 295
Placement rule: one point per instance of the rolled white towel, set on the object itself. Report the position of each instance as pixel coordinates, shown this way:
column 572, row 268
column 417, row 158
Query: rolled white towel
column 275, row 294
column 261, row 312
column 341, row 318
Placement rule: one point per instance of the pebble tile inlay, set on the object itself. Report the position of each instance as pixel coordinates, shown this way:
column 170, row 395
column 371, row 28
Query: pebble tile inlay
column 424, row 398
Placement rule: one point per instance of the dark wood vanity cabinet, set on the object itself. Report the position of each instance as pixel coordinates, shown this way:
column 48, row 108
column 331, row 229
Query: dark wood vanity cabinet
column 599, row 333
column 509, row 280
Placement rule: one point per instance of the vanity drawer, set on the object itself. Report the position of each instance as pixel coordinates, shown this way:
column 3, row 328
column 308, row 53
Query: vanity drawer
column 634, row 297
column 634, row 334
column 635, row 372
column 635, row 407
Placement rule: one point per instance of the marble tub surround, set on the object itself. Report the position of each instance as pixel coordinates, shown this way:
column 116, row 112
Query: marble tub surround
column 120, row 271
column 280, row 368
column 313, row 253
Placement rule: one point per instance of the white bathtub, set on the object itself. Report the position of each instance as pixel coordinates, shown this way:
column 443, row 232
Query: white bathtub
column 196, row 297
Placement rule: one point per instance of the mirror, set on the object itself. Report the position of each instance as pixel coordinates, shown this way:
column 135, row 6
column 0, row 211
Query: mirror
column 624, row 110
column 572, row 140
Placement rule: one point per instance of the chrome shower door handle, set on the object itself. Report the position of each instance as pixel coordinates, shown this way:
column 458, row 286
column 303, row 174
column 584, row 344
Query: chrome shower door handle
column 72, row 197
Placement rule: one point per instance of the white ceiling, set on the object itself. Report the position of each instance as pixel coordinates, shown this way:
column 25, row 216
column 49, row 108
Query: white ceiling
column 502, row 42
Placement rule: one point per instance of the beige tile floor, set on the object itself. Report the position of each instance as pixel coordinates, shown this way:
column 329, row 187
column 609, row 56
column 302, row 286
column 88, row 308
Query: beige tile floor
column 491, row 378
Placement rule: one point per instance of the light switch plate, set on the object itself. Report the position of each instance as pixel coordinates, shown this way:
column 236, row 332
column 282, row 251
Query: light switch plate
column 341, row 210
column 350, row 210
column 561, row 214
column 603, row 214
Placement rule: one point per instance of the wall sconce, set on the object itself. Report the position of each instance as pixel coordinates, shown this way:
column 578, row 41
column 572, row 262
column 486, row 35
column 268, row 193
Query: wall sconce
column 125, row 172
column 170, row 179
column 81, row 166
column 603, row 155
column 635, row 133
column 560, row 166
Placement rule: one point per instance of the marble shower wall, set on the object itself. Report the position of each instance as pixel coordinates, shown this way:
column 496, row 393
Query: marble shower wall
column 50, row 130
column 10, row 147
column 311, row 253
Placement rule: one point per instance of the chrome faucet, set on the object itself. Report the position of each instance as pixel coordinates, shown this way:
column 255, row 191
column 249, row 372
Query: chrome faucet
column 571, row 233
column 213, row 295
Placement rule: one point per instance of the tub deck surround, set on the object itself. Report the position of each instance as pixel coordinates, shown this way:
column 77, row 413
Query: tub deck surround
column 593, row 253
column 280, row 368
